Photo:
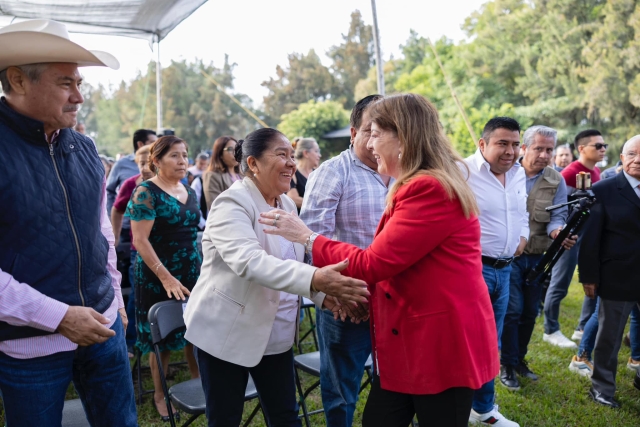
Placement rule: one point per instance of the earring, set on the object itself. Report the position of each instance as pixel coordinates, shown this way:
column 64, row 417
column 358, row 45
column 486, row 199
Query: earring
column 400, row 155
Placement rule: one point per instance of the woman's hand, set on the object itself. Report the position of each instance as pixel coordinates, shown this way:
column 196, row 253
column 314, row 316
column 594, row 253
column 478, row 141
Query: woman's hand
column 348, row 290
column 284, row 224
column 174, row 288
column 356, row 314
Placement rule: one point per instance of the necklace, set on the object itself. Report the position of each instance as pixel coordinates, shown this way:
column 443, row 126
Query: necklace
column 174, row 195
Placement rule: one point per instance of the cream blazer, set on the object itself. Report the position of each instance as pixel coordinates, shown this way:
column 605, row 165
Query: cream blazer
column 233, row 305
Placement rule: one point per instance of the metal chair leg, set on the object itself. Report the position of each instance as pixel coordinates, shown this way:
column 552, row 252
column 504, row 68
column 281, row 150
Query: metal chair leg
column 303, row 404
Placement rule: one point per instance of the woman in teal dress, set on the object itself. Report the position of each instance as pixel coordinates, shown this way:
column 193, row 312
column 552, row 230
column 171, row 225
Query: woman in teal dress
column 164, row 221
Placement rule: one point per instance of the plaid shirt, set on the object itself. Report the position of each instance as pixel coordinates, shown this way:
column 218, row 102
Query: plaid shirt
column 344, row 200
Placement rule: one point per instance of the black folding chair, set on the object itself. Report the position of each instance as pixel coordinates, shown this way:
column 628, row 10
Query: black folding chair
column 188, row 396
column 307, row 305
column 73, row 414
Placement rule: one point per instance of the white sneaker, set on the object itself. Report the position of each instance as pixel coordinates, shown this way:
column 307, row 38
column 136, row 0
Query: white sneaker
column 492, row 418
column 559, row 340
column 634, row 365
column 581, row 366
column 577, row 335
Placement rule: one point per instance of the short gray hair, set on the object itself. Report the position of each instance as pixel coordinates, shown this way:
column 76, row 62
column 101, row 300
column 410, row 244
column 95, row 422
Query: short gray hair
column 545, row 131
column 202, row 156
column 302, row 145
column 625, row 147
column 32, row 71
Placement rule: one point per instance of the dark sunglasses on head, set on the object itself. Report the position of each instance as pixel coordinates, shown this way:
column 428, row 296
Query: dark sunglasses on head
column 599, row 146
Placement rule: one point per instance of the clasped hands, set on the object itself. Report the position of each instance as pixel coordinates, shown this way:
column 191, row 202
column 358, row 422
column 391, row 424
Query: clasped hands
column 346, row 296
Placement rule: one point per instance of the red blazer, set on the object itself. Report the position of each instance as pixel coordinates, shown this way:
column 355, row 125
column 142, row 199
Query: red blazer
column 432, row 323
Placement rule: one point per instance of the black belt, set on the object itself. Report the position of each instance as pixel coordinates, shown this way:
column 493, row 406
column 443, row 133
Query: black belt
column 497, row 263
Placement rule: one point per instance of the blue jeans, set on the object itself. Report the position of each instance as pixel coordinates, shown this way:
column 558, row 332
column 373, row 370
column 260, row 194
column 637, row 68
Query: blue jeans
column 34, row 389
column 588, row 307
column 561, row 277
column 498, row 286
column 588, row 342
column 524, row 299
column 344, row 349
column 131, row 303
column 634, row 333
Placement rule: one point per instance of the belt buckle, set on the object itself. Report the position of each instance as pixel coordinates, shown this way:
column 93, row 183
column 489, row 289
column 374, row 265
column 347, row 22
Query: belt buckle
column 497, row 264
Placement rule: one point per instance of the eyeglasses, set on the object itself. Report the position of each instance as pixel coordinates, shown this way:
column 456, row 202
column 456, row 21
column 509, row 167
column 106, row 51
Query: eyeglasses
column 631, row 154
column 229, row 149
column 599, row 146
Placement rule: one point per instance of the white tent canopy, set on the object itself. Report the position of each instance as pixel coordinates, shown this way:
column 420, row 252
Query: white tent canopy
column 148, row 19
column 151, row 20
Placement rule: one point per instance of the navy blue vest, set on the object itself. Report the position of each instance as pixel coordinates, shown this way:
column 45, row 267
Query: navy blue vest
column 50, row 201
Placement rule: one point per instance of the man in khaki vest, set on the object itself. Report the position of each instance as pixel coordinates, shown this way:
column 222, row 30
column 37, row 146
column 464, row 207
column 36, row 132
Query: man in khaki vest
column 545, row 187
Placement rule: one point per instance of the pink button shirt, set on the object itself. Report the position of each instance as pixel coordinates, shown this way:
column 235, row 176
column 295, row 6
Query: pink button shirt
column 22, row 305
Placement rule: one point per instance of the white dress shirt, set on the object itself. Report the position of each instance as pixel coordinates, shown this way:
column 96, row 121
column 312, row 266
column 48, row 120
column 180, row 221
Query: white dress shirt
column 503, row 209
column 633, row 182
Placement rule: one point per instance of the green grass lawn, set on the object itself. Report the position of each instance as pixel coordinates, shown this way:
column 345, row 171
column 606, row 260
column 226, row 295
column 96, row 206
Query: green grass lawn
column 559, row 399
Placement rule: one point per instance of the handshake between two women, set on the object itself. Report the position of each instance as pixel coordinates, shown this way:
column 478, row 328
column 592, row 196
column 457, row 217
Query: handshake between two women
column 346, row 297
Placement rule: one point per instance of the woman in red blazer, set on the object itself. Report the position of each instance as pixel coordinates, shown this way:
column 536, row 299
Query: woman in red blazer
column 433, row 331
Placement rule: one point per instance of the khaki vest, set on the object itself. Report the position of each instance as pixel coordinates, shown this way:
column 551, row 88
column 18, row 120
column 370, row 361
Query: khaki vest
column 541, row 197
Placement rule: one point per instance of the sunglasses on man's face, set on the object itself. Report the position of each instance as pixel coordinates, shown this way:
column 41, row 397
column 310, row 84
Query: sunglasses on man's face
column 599, row 146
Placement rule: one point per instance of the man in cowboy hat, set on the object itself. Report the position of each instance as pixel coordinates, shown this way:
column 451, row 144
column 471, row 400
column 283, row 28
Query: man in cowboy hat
column 61, row 309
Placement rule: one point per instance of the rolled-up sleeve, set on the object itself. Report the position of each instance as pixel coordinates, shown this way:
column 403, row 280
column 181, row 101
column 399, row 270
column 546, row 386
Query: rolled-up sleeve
column 559, row 216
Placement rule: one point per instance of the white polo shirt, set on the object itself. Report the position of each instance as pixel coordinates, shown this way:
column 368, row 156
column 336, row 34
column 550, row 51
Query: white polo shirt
column 503, row 209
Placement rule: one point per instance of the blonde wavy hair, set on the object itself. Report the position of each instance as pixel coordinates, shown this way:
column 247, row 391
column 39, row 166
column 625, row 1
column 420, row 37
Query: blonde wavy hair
column 425, row 148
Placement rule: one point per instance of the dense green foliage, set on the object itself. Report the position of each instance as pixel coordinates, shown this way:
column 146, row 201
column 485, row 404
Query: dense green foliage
column 197, row 110
column 314, row 119
column 568, row 64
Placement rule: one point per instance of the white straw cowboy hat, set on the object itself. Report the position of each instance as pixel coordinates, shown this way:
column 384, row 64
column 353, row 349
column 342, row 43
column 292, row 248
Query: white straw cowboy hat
column 40, row 40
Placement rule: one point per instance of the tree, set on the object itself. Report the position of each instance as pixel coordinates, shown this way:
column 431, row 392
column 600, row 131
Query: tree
column 353, row 58
column 303, row 80
column 314, row 119
column 193, row 106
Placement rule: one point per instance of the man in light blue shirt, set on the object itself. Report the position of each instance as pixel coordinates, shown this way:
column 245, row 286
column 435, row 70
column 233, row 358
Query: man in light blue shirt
column 345, row 199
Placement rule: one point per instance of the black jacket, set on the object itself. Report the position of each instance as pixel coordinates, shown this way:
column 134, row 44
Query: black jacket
column 610, row 249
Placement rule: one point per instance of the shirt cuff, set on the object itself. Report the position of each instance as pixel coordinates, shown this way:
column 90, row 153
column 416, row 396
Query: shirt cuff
column 50, row 315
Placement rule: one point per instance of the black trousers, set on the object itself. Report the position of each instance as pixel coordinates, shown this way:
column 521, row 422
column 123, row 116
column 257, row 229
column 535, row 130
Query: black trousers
column 224, row 385
column 385, row 408
column 612, row 319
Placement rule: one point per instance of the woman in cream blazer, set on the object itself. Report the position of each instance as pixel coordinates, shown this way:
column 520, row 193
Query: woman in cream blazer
column 242, row 315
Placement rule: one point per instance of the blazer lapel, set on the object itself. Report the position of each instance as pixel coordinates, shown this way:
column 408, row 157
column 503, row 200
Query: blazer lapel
column 626, row 191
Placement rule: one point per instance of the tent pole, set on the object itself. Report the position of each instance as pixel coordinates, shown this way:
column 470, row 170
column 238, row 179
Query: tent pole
column 158, row 87
column 376, row 44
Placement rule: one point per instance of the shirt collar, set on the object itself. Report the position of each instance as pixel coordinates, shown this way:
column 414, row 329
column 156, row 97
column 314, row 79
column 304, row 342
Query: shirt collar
column 357, row 161
column 53, row 137
column 634, row 182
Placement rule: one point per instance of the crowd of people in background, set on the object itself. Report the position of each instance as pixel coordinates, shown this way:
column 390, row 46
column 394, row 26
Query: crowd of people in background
column 413, row 256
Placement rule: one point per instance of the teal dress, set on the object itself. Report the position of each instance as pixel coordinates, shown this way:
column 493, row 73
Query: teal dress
column 173, row 238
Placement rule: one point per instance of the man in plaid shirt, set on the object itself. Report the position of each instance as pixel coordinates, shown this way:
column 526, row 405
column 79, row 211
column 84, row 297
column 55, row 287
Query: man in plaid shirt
column 344, row 199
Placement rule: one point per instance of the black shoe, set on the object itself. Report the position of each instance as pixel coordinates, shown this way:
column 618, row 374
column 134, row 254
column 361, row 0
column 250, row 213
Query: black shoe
column 523, row 370
column 602, row 399
column 636, row 381
column 508, row 378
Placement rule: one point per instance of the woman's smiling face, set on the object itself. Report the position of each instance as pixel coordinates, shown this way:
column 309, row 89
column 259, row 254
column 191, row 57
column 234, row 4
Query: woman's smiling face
column 275, row 168
column 386, row 150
